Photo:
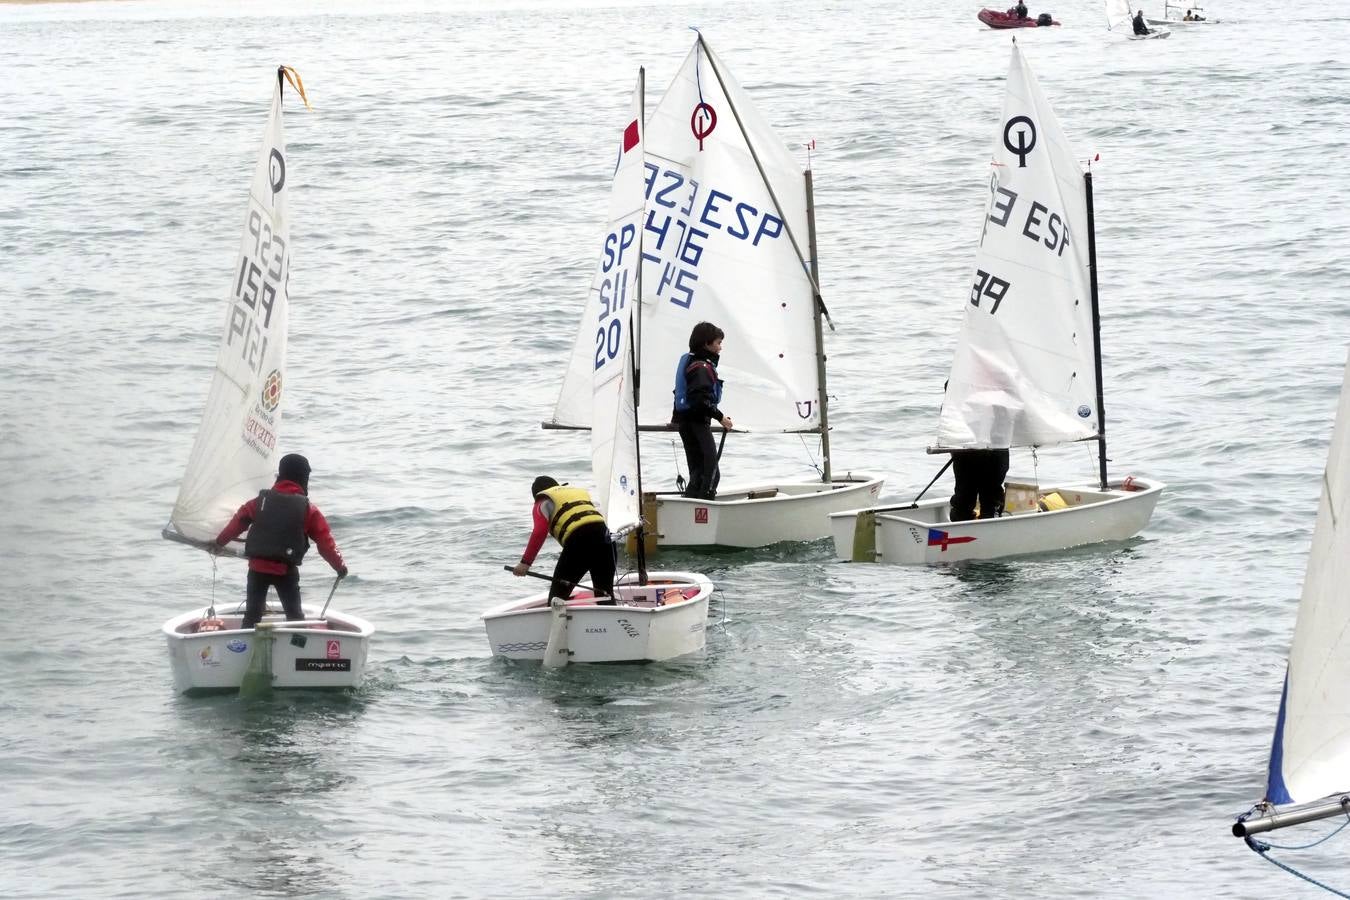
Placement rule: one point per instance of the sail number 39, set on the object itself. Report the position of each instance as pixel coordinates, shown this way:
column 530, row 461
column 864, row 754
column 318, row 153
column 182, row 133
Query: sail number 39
column 988, row 286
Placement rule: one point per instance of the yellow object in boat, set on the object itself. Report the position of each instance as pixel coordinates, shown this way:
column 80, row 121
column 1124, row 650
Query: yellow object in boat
column 1051, row 502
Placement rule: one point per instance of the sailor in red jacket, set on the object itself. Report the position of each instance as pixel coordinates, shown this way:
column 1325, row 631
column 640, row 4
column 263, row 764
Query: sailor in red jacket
column 280, row 522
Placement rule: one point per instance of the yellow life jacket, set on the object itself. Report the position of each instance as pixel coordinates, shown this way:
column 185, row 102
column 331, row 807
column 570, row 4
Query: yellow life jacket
column 572, row 508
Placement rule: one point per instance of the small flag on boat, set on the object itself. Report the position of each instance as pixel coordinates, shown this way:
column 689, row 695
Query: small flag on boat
column 939, row 538
column 630, row 136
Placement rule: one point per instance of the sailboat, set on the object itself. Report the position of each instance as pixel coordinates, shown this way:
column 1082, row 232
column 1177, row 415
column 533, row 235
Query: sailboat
column 655, row 615
column 728, row 223
column 1175, row 14
column 1027, row 369
column 1118, row 13
column 1309, row 771
column 232, row 456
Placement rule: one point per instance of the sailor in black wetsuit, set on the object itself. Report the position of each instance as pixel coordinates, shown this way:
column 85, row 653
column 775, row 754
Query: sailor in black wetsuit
column 698, row 390
column 280, row 522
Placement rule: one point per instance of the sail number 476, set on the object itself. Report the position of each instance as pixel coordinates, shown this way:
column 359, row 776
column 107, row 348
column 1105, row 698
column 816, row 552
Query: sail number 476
column 990, row 286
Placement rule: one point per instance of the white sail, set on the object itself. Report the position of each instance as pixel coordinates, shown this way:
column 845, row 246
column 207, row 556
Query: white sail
column 607, row 322
column 1024, row 370
column 1117, row 13
column 232, row 457
column 1310, row 756
column 717, row 249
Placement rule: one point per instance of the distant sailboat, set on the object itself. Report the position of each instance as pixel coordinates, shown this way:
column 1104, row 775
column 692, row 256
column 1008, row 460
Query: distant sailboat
column 658, row 615
column 1309, row 771
column 1176, row 13
column 232, row 456
column 1120, row 15
column 729, row 237
column 1027, row 368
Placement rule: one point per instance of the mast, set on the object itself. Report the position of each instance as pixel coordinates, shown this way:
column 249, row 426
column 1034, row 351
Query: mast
column 816, row 307
column 1096, row 329
column 635, row 320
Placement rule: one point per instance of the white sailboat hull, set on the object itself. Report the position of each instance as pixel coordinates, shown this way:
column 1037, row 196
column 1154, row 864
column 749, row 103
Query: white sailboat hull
column 1158, row 33
column 760, row 514
column 637, row 629
column 924, row 535
column 328, row 653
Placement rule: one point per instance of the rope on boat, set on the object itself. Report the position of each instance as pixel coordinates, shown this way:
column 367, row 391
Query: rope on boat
column 679, row 473
column 211, row 612
column 1262, row 849
column 810, row 456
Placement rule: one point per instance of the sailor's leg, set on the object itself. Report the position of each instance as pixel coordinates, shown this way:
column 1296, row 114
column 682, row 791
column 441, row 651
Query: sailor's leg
column 571, row 566
column 288, row 589
column 693, row 456
column 712, row 473
column 602, row 562
column 966, row 470
column 993, row 469
column 255, row 598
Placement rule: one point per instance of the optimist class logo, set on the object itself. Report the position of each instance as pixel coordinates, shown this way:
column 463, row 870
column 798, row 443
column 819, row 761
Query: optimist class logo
column 271, row 392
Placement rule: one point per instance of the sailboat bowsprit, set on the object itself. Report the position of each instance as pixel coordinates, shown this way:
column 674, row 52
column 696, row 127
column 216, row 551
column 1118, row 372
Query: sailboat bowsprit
column 1027, row 368
column 232, row 457
column 727, row 224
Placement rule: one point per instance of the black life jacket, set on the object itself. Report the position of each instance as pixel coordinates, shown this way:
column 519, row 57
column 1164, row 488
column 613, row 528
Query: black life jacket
column 278, row 530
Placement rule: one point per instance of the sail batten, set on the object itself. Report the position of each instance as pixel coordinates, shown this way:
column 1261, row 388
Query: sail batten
column 232, row 455
column 1023, row 373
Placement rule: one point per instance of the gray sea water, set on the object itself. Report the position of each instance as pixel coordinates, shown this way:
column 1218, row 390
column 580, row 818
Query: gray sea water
column 1080, row 725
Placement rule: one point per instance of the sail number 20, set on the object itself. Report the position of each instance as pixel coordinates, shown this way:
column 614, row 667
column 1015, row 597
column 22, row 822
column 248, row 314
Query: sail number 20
column 990, row 286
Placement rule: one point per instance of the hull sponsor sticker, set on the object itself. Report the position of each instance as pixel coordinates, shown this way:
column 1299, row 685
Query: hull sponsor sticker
column 323, row 665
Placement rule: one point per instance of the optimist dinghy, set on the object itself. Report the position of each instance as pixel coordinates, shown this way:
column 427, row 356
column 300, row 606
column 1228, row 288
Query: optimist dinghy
column 662, row 619
column 728, row 227
column 654, row 615
column 319, row 653
column 232, row 456
column 1027, row 371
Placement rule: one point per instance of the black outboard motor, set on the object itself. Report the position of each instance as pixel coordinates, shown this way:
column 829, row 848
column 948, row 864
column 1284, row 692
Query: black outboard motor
column 1045, row 19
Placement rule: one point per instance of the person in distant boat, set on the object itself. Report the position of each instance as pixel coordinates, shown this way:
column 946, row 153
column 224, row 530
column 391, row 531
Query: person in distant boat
column 1021, row 9
column 1139, row 26
column 281, row 522
column 698, row 390
column 568, row 514
column 1188, row 17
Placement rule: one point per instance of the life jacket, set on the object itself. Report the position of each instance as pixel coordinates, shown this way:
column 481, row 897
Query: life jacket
column 572, row 508
column 686, row 363
column 278, row 529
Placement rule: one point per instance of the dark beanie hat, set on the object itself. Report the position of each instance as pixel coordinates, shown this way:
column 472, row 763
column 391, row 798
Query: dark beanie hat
column 541, row 484
column 294, row 467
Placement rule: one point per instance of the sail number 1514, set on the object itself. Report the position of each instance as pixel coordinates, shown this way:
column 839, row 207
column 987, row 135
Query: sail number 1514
column 990, row 287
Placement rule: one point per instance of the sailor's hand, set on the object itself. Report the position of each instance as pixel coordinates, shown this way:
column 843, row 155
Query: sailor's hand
column 726, row 422
column 521, row 569
column 214, row 549
column 342, row 572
